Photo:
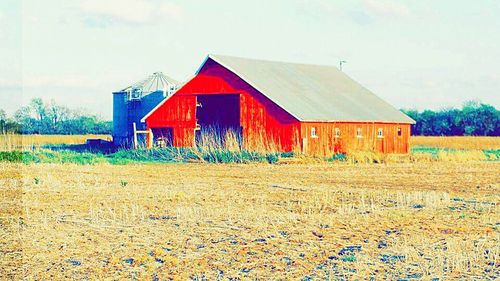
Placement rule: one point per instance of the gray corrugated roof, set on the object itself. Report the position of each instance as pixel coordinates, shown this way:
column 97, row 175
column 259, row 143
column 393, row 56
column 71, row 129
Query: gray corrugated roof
column 313, row 92
column 154, row 82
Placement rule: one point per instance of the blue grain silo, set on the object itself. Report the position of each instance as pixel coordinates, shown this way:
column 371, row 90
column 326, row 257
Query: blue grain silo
column 131, row 104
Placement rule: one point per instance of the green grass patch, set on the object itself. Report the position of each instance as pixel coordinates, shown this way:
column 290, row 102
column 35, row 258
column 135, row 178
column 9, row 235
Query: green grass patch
column 338, row 157
column 123, row 157
column 430, row 150
column 490, row 154
column 64, row 156
column 351, row 258
column 12, row 156
column 184, row 155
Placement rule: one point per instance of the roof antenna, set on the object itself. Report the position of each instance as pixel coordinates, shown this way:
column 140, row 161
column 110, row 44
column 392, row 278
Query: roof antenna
column 341, row 63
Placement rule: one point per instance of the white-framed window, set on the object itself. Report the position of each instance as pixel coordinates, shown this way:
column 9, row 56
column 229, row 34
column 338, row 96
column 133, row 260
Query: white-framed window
column 313, row 133
column 336, row 132
column 380, row 133
column 400, row 132
column 359, row 133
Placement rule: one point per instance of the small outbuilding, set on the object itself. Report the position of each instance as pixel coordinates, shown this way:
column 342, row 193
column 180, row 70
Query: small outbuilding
column 313, row 109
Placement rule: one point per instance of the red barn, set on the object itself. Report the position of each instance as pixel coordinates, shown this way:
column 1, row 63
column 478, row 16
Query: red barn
column 314, row 109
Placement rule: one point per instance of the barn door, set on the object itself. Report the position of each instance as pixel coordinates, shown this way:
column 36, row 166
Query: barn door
column 216, row 116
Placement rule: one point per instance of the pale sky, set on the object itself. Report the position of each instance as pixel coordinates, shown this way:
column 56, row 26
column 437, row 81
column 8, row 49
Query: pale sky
column 414, row 54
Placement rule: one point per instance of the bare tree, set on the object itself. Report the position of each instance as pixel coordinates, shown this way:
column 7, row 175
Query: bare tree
column 39, row 108
column 3, row 121
column 57, row 113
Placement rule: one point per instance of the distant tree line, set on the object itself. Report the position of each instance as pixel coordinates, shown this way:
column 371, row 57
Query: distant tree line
column 473, row 119
column 40, row 117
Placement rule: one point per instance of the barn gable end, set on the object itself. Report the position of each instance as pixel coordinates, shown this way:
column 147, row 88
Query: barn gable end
column 263, row 123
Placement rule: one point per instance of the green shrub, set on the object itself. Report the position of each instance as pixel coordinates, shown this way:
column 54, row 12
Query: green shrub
column 272, row 158
column 12, row 156
column 338, row 157
column 286, row 155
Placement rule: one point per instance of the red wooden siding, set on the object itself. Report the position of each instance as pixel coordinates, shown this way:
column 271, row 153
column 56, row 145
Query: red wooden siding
column 326, row 143
column 179, row 114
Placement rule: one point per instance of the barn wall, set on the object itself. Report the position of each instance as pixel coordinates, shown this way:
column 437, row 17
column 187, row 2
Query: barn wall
column 327, row 144
column 262, row 130
column 178, row 112
column 264, row 124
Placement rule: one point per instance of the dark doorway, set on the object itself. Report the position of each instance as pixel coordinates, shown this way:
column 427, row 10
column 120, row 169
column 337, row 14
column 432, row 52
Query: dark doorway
column 163, row 137
column 216, row 115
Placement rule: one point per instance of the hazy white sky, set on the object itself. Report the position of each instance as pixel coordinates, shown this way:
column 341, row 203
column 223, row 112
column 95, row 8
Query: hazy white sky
column 414, row 54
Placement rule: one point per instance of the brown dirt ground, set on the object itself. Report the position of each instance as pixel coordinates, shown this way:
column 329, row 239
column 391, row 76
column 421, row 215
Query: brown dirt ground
column 207, row 221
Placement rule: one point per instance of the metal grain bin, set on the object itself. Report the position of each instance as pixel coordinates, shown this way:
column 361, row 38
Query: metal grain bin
column 120, row 118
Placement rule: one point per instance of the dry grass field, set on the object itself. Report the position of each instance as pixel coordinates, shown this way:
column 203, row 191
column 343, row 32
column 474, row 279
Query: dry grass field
column 457, row 142
column 9, row 142
column 256, row 221
column 415, row 217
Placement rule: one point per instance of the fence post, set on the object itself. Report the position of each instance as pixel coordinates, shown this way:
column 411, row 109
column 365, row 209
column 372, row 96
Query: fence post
column 135, row 135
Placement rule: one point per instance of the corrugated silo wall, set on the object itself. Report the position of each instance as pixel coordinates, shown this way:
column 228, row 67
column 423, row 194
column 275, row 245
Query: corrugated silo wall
column 138, row 109
column 120, row 118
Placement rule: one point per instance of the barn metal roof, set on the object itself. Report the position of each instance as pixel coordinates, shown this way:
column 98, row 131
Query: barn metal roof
column 312, row 92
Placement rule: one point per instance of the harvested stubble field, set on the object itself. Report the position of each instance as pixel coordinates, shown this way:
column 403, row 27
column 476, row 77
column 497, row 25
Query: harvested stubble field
column 254, row 221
